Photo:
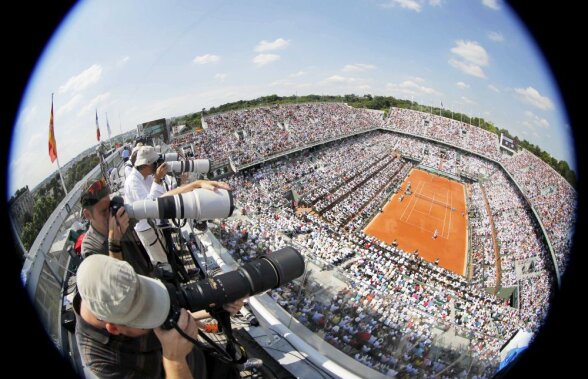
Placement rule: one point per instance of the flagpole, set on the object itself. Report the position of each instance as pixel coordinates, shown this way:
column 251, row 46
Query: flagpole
column 120, row 126
column 60, row 175
column 108, row 129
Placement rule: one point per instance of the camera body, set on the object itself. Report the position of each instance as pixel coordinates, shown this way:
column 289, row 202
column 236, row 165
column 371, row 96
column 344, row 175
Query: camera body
column 116, row 203
column 167, row 157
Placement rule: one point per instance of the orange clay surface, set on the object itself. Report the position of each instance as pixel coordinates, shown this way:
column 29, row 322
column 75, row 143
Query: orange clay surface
column 412, row 221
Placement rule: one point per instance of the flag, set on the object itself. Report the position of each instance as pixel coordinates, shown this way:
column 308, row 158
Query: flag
column 52, row 143
column 97, row 127
column 107, row 126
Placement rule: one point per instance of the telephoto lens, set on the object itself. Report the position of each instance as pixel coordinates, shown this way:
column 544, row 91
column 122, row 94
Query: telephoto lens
column 267, row 272
column 199, row 204
column 200, row 166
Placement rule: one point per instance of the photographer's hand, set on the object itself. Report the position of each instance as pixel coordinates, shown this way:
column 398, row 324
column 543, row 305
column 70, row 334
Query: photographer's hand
column 209, row 184
column 123, row 220
column 117, row 227
column 184, row 178
column 175, row 347
column 160, row 173
column 234, row 307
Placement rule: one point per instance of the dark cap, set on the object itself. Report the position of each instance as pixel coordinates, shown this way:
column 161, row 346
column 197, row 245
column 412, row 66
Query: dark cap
column 93, row 191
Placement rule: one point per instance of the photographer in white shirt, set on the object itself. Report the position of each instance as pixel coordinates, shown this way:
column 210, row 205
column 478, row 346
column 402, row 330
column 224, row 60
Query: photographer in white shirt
column 145, row 182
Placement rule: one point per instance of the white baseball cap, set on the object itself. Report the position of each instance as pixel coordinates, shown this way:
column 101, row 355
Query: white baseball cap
column 115, row 293
column 146, row 155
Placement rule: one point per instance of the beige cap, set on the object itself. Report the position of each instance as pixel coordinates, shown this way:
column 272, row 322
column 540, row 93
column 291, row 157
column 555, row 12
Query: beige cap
column 146, row 155
column 114, row 293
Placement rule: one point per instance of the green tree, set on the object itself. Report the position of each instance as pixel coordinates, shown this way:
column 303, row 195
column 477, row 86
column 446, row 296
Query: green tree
column 28, row 235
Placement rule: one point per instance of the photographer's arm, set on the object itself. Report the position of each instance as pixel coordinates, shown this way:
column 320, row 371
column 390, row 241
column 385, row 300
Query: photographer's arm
column 175, row 347
column 233, row 308
column 117, row 227
column 207, row 184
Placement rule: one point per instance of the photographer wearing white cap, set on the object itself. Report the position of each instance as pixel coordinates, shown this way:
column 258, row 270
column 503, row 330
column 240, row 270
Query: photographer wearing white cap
column 145, row 182
column 117, row 312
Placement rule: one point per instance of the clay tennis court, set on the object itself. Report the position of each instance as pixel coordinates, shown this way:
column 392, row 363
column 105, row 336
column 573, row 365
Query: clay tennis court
column 436, row 203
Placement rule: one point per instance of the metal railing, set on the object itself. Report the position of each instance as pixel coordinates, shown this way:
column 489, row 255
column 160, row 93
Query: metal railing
column 44, row 269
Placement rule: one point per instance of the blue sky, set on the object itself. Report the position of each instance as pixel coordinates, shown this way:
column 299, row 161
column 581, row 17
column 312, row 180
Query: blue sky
column 142, row 60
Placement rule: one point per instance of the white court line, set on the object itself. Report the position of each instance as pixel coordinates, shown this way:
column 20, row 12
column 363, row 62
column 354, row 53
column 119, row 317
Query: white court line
column 418, row 226
column 445, row 215
column 430, row 216
column 431, row 206
column 422, row 184
column 421, row 228
column 451, row 204
column 413, row 204
column 407, row 205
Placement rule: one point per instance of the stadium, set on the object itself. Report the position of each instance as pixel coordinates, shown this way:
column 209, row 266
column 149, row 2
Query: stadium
column 315, row 175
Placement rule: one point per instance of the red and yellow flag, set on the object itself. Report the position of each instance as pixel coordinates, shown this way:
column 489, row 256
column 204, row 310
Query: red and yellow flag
column 97, row 127
column 52, row 143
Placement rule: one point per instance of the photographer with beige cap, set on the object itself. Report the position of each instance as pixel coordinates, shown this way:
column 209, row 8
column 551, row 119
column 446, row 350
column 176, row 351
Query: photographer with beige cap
column 117, row 329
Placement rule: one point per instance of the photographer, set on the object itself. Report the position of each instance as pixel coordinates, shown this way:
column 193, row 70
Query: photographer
column 130, row 163
column 117, row 317
column 110, row 234
column 145, row 182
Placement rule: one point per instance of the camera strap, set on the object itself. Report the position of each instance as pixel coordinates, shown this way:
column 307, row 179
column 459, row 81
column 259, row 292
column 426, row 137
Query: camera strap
column 233, row 347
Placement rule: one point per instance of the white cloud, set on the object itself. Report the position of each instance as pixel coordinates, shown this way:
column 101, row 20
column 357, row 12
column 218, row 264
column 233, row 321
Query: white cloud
column 435, row 3
column 468, row 68
column 263, row 59
column 496, row 36
column 123, row 61
column 472, row 57
column 493, row 88
column 264, row 45
column 409, row 87
column 93, row 104
column 339, row 79
column 462, row 85
column 467, row 100
column 297, row 74
column 220, row 77
column 206, row 58
column 358, row 67
column 412, row 5
column 492, row 4
column 363, row 87
column 70, row 105
column 83, row 80
column 534, row 120
column 531, row 96
column 471, row 51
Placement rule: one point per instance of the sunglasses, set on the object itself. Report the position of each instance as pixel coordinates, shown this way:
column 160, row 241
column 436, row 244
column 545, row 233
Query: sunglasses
column 95, row 192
